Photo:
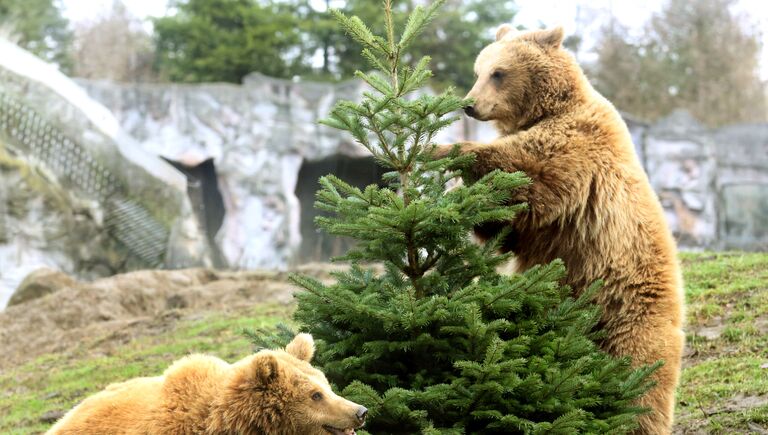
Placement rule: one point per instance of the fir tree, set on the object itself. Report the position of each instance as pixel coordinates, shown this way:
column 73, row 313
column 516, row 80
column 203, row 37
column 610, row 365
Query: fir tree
column 438, row 341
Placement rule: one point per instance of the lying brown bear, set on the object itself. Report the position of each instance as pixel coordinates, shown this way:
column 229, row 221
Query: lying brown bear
column 270, row 392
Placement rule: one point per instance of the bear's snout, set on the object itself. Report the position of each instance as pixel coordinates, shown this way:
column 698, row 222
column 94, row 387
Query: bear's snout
column 362, row 411
column 470, row 111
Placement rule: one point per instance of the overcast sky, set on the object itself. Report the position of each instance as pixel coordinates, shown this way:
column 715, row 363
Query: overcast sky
column 584, row 16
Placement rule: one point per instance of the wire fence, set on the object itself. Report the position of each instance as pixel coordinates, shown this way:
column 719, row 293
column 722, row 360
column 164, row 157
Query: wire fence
column 127, row 221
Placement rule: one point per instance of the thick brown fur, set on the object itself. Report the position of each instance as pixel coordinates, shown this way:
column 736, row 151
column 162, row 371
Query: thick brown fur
column 270, row 392
column 590, row 202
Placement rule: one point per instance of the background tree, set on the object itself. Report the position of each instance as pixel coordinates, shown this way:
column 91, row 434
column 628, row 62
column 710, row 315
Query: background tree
column 626, row 75
column 38, row 26
column 114, row 47
column 453, row 42
column 439, row 341
column 224, row 40
column 699, row 55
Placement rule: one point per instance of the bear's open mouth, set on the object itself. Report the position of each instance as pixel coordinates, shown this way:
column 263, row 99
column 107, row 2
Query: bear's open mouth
column 337, row 431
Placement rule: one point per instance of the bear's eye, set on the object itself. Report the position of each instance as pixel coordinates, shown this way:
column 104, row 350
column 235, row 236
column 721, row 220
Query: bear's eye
column 497, row 75
column 317, row 396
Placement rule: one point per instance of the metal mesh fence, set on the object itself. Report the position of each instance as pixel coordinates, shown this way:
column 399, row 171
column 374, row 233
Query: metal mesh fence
column 3, row 211
column 126, row 220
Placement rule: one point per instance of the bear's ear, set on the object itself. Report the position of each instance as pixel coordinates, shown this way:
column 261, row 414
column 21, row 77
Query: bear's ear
column 548, row 38
column 302, row 347
column 265, row 368
column 503, row 31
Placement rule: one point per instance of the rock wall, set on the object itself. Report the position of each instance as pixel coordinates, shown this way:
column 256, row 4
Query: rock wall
column 258, row 135
column 76, row 193
column 741, row 186
column 713, row 183
column 680, row 162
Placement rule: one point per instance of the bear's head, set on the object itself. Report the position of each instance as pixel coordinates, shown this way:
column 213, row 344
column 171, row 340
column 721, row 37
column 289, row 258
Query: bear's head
column 523, row 77
column 278, row 391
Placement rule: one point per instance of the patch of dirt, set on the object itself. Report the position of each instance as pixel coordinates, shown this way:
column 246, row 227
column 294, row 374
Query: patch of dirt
column 696, row 422
column 741, row 403
column 705, row 343
column 708, row 258
column 761, row 324
column 110, row 312
column 710, row 332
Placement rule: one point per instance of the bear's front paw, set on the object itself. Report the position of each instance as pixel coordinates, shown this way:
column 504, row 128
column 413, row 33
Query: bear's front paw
column 442, row 151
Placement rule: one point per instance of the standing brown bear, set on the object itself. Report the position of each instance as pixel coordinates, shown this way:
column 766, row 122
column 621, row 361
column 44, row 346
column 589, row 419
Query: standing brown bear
column 590, row 203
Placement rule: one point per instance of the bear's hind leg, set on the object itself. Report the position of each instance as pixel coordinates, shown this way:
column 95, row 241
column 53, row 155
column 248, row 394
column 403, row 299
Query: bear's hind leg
column 648, row 342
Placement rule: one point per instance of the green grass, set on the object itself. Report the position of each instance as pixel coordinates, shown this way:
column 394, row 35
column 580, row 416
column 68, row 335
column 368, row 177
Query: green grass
column 723, row 388
column 56, row 382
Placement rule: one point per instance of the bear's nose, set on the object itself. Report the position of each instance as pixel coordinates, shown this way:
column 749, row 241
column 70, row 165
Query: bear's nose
column 362, row 411
column 470, row 110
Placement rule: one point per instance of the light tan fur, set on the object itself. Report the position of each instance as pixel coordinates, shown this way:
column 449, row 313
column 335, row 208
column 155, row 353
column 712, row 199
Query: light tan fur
column 590, row 202
column 270, row 392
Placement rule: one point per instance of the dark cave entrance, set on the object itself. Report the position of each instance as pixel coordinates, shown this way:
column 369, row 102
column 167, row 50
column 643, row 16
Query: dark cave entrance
column 316, row 244
column 207, row 202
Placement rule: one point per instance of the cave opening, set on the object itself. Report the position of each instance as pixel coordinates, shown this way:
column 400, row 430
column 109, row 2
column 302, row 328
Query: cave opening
column 316, row 244
column 207, row 202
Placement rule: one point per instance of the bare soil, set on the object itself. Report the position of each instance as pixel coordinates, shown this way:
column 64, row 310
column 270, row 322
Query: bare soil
column 110, row 312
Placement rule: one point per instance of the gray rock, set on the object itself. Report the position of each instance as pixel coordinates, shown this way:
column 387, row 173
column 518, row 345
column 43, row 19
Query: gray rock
column 51, row 416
